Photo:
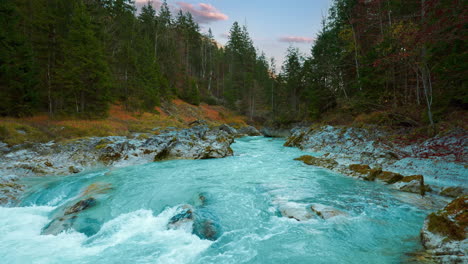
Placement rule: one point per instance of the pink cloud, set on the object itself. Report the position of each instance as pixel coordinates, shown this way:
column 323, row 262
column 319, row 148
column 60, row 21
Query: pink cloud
column 203, row 13
column 296, row 39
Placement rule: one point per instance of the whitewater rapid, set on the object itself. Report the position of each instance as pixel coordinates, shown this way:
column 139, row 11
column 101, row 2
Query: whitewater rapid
column 245, row 197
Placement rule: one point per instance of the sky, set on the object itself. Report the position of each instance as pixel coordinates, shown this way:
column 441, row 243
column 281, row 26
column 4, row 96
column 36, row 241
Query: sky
column 274, row 25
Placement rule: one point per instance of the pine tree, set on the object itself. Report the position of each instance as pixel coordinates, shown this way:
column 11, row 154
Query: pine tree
column 18, row 79
column 84, row 71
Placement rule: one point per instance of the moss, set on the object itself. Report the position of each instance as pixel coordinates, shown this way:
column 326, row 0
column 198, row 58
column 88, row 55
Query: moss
column 440, row 224
column 413, row 178
column 373, row 173
column 97, row 188
column 145, row 151
column 110, row 157
column 321, row 162
column 360, row 168
column 163, row 155
column 452, row 220
column 389, row 177
column 452, row 191
column 142, row 137
column 294, row 141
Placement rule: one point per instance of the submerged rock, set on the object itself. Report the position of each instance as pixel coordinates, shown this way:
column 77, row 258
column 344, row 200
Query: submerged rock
column 81, row 205
column 326, row 212
column 444, row 233
column 199, row 220
column 294, row 210
column 184, row 216
column 74, row 214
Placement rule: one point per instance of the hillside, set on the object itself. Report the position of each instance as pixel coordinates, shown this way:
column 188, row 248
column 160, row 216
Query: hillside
column 120, row 122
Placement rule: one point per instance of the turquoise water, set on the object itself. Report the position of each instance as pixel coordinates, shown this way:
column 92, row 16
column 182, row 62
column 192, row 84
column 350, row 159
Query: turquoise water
column 242, row 194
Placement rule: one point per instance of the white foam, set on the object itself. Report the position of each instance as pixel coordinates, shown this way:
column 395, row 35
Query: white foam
column 21, row 242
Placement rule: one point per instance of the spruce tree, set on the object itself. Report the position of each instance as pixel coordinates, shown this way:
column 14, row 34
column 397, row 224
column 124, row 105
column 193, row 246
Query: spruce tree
column 84, row 72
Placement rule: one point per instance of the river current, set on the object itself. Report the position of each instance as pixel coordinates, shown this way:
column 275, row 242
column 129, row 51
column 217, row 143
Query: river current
column 242, row 195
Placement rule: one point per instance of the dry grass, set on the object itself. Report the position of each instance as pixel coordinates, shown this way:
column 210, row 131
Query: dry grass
column 42, row 128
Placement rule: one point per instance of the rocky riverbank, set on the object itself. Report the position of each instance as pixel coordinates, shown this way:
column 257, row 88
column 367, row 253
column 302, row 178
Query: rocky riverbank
column 436, row 167
column 39, row 159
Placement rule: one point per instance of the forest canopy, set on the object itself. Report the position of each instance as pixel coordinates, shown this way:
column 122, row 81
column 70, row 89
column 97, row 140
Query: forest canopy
column 75, row 58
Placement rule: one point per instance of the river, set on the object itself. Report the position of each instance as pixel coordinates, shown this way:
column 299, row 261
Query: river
column 242, row 196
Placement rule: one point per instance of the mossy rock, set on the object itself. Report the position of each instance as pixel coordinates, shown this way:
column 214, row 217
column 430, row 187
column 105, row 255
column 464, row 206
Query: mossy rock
column 294, row 141
column 419, row 178
column 389, row 177
column 453, row 191
column 452, row 221
column 414, row 184
column 320, row 162
column 73, row 169
column 162, row 155
column 360, row 168
column 110, row 157
column 372, row 175
column 103, row 143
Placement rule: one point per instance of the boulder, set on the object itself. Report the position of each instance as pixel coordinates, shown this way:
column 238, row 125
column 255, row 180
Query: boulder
column 275, row 132
column 373, row 173
column 325, row 212
column 389, row 177
column 444, row 233
column 75, row 214
column 185, row 215
column 294, row 211
column 228, row 129
column 202, row 222
column 249, row 131
column 318, row 161
column 453, row 191
column 413, row 184
column 295, row 139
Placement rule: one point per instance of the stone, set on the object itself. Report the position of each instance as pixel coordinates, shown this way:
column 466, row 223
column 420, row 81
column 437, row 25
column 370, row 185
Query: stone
column 360, row 168
column 249, row 131
column 73, row 169
column 318, row 161
column 413, row 184
column 389, row 177
column 325, row 212
column 228, row 129
column 372, row 175
column 453, row 191
column 81, row 206
column 444, row 232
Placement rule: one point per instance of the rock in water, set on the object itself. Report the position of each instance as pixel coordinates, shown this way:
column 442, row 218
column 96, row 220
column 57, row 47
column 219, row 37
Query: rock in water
column 326, row 212
column 184, row 216
column 454, row 192
column 75, row 215
column 444, row 233
column 81, row 205
column 249, row 131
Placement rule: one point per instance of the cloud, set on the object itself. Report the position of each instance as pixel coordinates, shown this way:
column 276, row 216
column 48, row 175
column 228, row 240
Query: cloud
column 224, row 35
column 156, row 4
column 292, row 39
column 203, row 13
